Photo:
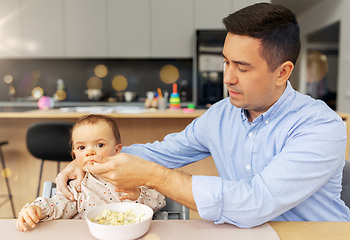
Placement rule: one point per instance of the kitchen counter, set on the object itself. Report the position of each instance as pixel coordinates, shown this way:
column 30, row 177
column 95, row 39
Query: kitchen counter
column 122, row 113
column 136, row 125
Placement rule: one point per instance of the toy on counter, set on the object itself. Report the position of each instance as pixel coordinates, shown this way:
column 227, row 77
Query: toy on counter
column 46, row 103
column 151, row 100
column 190, row 108
column 154, row 102
column 174, row 102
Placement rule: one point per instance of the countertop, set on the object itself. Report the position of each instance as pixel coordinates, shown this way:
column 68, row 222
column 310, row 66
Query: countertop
column 125, row 112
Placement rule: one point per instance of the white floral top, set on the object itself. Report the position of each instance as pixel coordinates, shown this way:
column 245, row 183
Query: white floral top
column 94, row 192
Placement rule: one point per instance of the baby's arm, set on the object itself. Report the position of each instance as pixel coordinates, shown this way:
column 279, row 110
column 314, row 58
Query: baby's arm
column 30, row 215
column 44, row 209
column 57, row 207
column 151, row 198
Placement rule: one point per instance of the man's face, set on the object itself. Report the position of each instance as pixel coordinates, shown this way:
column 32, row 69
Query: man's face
column 250, row 83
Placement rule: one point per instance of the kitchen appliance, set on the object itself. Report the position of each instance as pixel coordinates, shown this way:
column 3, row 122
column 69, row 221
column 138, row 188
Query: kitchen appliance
column 209, row 66
column 94, row 94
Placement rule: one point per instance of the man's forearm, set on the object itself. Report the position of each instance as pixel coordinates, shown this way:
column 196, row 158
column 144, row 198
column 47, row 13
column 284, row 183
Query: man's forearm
column 173, row 184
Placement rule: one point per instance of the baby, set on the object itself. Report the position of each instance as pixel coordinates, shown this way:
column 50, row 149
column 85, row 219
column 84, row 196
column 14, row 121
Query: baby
column 91, row 135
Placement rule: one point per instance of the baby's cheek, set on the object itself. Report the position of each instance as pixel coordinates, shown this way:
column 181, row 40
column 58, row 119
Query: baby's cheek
column 107, row 153
column 81, row 161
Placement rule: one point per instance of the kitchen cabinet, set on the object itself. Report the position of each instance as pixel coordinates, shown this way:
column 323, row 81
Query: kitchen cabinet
column 42, row 28
column 85, row 24
column 10, row 28
column 128, row 28
column 107, row 28
column 172, row 28
column 209, row 14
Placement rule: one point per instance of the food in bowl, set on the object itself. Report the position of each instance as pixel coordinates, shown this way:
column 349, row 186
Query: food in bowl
column 120, row 232
column 108, row 217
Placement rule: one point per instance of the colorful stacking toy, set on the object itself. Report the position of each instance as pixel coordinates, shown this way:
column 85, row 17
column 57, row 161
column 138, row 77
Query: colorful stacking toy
column 174, row 102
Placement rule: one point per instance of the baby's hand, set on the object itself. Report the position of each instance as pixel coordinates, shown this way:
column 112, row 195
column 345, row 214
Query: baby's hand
column 130, row 193
column 30, row 215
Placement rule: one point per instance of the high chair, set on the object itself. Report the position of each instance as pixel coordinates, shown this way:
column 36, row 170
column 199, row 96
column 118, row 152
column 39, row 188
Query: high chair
column 49, row 141
column 8, row 197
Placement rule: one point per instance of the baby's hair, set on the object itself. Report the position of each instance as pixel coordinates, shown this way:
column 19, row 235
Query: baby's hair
column 96, row 118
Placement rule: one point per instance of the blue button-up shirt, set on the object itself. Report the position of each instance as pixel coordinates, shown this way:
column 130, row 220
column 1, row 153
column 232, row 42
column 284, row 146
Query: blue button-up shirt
column 286, row 165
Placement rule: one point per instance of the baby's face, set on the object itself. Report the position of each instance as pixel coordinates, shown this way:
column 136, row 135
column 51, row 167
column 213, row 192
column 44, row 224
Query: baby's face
column 93, row 139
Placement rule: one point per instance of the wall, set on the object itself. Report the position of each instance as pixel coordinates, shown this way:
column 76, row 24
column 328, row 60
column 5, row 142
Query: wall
column 142, row 75
column 322, row 15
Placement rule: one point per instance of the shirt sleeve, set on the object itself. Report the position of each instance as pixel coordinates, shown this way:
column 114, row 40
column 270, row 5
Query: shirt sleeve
column 151, row 198
column 312, row 154
column 176, row 150
column 57, row 207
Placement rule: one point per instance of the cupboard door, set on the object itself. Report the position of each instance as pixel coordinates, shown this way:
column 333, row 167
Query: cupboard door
column 10, row 37
column 209, row 14
column 86, row 28
column 42, row 33
column 172, row 28
column 128, row 28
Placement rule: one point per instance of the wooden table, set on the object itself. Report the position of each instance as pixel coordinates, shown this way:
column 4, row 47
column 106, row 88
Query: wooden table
column 312, row 230
column 188, row 229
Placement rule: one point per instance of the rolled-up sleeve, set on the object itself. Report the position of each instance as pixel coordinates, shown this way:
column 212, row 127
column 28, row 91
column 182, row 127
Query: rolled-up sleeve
column 207, row 193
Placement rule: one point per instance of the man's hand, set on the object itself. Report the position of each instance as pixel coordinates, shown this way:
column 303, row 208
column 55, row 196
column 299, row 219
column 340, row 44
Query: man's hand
column 127, row 171
column 68, row 173
column 122, row 170
column 130, row 193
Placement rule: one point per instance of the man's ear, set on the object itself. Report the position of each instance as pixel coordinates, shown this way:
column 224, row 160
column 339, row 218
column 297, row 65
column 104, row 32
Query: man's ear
column 118, row 148
column 283, row 72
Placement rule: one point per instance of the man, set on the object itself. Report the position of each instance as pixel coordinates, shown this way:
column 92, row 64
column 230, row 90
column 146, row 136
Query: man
column 279, row 153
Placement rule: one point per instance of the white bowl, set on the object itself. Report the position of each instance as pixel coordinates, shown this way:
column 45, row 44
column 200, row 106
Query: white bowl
column 120, row 232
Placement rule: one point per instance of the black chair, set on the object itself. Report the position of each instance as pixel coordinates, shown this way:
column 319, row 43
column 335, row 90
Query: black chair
column 49, row 141
column 8, row 197
column 345, row 193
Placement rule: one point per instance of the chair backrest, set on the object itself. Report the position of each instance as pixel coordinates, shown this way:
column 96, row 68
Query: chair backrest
column 345, row 193
column 50, row 140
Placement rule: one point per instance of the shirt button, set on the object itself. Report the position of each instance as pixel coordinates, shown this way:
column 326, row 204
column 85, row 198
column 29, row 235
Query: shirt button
column 250, row 134
column 267, row 122
column 247, row 167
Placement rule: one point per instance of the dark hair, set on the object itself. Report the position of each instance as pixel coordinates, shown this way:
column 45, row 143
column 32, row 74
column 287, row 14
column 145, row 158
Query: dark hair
column 276, row 26
column 95, row 118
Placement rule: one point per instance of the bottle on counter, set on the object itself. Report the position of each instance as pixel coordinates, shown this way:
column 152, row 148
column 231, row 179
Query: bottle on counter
column 148, row 101
column 60, row 84
column 60, row 93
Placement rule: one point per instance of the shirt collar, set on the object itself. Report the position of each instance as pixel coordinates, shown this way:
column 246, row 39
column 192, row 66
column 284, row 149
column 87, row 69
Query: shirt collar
column 276, row 108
